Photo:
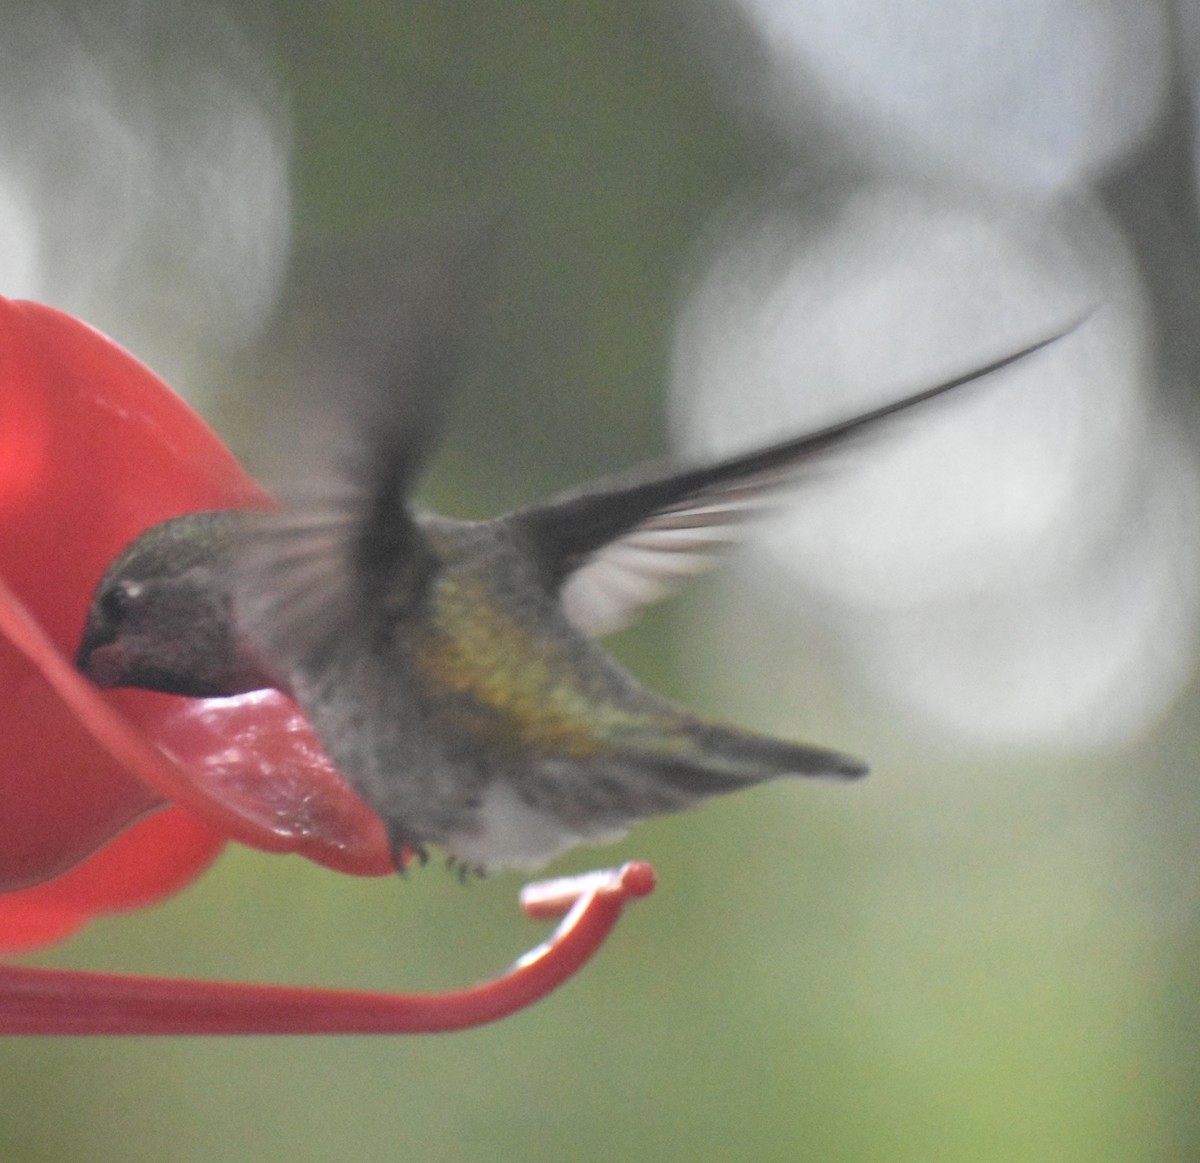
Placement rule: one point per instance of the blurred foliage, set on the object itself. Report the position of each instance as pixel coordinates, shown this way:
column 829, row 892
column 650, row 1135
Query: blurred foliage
column 1008, row 976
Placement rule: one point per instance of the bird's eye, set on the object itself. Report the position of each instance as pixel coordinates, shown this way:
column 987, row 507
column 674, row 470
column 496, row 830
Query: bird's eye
column 117, row 601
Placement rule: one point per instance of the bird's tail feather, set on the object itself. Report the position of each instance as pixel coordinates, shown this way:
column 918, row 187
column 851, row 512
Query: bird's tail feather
column 708, row 759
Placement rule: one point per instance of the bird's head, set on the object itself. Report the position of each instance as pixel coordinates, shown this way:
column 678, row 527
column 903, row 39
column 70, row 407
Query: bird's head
column 162, row 616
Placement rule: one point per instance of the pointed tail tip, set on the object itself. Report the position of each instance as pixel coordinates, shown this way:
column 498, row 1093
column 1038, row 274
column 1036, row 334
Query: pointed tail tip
column 845, row 767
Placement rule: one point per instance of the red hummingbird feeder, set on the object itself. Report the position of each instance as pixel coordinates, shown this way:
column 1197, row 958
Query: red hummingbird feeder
column 113, row 800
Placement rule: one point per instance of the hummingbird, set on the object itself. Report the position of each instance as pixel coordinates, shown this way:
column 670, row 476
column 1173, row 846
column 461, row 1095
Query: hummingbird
column 451, row 668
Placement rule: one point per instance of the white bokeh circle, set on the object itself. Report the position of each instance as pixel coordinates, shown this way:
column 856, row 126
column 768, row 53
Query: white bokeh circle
column 1018, row 539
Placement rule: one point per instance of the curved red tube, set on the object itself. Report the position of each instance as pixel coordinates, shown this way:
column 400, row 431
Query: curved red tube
column 57, row 1001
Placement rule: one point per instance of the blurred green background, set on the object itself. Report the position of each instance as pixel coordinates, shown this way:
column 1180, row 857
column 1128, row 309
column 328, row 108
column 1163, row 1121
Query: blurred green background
column 985, row 957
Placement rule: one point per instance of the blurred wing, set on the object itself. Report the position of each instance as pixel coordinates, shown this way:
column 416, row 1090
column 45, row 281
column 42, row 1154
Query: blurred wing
column 617, row 545
column 386, row 346
column 293, row 580
column 382, row 329
column 661, row 552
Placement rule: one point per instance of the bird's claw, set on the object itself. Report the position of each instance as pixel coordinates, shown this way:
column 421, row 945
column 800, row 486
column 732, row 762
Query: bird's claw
column 463, row 870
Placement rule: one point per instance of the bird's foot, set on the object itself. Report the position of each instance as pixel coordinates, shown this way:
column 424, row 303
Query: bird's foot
column 465, row 871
